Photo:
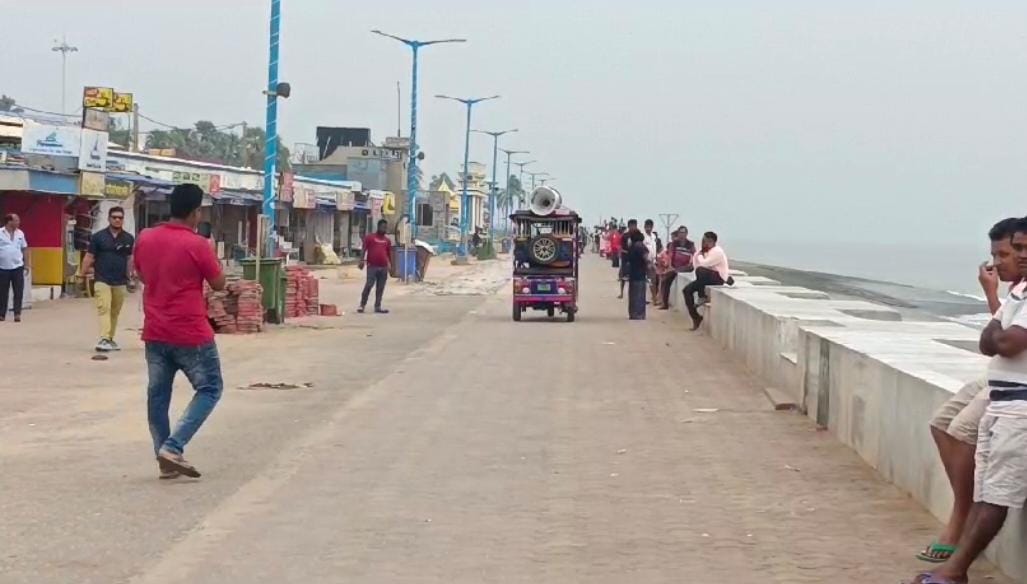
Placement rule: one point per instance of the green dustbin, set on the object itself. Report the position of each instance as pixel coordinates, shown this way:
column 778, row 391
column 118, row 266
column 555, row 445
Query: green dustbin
column 272, row 280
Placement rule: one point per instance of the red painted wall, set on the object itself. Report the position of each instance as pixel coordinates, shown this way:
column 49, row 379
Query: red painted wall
column 42, row 216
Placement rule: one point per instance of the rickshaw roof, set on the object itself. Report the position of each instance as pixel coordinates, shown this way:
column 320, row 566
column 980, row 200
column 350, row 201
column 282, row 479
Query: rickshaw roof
column 561, row 214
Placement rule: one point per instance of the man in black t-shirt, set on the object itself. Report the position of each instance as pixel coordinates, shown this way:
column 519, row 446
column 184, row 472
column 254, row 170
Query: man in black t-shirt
column 625, row 245
column 109, row 256
column 638, row 263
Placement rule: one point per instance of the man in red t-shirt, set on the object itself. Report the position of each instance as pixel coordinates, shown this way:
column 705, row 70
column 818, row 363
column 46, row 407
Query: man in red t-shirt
column 173, row 262
column 378, row 260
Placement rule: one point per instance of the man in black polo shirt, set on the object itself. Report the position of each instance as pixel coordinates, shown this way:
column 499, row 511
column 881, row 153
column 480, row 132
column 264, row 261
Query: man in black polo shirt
column 109, row 254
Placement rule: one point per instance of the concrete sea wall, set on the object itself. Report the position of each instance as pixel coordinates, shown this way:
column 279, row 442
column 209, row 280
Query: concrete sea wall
column 866, row 375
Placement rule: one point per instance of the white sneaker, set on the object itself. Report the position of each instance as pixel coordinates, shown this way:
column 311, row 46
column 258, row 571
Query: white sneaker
column 114, row 346
column 104, row 346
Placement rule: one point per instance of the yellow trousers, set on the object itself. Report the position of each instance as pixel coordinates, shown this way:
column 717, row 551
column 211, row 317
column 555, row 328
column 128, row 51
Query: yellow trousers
column 109, row 300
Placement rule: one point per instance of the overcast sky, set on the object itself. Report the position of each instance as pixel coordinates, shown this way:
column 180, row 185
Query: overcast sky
column 897, row 121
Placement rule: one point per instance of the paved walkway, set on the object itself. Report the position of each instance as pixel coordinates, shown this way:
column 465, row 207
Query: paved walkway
column 445, row 443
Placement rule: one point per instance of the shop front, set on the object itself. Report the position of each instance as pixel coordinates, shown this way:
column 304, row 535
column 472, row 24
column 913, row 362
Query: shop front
column 41, row 199
column 358, row 221
column 234, row 217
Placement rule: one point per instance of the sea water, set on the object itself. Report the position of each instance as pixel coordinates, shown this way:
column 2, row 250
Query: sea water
column 940, row 277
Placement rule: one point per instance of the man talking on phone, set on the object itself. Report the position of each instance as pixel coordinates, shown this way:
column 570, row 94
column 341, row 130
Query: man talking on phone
column 955, row 425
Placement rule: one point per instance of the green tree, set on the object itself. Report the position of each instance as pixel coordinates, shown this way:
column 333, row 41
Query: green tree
column 205, row 142
column 507, row 199
column 7, row 104
column 119, row 133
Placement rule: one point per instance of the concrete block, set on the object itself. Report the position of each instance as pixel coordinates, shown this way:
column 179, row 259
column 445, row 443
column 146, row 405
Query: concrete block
column 780, row 400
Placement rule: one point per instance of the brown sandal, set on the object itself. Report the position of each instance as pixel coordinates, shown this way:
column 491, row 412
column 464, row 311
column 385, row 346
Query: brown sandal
column 169, row 461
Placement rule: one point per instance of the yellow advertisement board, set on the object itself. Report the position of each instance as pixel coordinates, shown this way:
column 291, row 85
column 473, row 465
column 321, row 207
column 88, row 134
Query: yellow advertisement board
column 122, row 103
column 101, row 98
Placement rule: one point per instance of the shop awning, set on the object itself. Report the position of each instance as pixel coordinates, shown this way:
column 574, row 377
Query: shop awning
column 237, row 197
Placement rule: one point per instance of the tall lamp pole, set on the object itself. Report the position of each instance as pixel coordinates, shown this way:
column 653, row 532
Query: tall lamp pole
column 534, row 175
column 520, row 177
column 64, row 48
column 509, row 202
column 465, row 211
column 274, row 90
column 495, row 185
column 412, row 182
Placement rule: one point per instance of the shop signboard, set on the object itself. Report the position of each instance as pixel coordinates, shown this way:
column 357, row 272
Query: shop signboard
column 215, row 184
column 122, row 103
column 286, row 190
column 101, row 98
column 200, row 179
column 376, row 209
column 117, row 189
column 303, row 197
column 345, row 200
column 95, row 119
column 50, row 140
column 93, row 153
column 92, row 184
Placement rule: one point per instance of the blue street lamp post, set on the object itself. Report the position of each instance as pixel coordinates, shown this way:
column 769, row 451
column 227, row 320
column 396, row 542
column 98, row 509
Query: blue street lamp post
column 495, row 184
column 534, row 175
column 412, row 183
column 465, row 210
column 510, row 153
column 520, row 178
column 271, row 133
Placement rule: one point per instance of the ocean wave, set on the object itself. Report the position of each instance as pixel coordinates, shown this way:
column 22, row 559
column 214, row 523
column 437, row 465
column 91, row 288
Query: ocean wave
column 977, row 321
column 965, row 295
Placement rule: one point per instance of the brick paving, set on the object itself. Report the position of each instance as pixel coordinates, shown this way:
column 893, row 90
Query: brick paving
column 488, row 451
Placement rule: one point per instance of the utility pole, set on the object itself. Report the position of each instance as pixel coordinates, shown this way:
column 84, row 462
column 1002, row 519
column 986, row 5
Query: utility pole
column 135, row 127
column 64, row 48
column 668, row 219
column 399, row 110
column 243, row 154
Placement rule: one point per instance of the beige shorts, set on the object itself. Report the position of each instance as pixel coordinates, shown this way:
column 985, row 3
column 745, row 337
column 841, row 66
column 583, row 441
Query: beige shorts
column 1001, row 475
column 960, row 416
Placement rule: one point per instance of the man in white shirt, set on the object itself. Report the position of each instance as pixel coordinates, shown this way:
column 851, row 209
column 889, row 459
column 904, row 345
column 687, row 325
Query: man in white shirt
column 650, row 244
column 954, row 426
column 1000, row 480
column 711, row 269
column 12, row 265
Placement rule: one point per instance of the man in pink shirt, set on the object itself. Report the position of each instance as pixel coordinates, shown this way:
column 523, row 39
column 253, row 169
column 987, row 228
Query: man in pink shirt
column 711, row 269
column 173, row 262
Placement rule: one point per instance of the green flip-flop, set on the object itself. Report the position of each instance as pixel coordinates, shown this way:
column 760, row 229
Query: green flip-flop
column 936, row 553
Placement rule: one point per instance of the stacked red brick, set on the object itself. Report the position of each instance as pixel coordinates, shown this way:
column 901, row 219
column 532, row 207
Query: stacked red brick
column 249, row 317
column 301, row 293
column 237, row 309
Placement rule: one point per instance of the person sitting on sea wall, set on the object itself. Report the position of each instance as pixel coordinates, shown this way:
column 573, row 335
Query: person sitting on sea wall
column 678, row 255
column 1000, row 478
column 711, row 269
column 954, row 426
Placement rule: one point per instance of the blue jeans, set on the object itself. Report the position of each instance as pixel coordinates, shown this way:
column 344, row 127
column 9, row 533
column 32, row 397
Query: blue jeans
column 202, row 367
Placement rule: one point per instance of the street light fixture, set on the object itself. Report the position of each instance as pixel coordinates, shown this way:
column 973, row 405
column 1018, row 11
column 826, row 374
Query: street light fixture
column 64, row 48
column 520, row 178
column 412, row 182
column 495, row 185
column 509, row 203
column 533, row 175
column 465, row 211
column 274, row 90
